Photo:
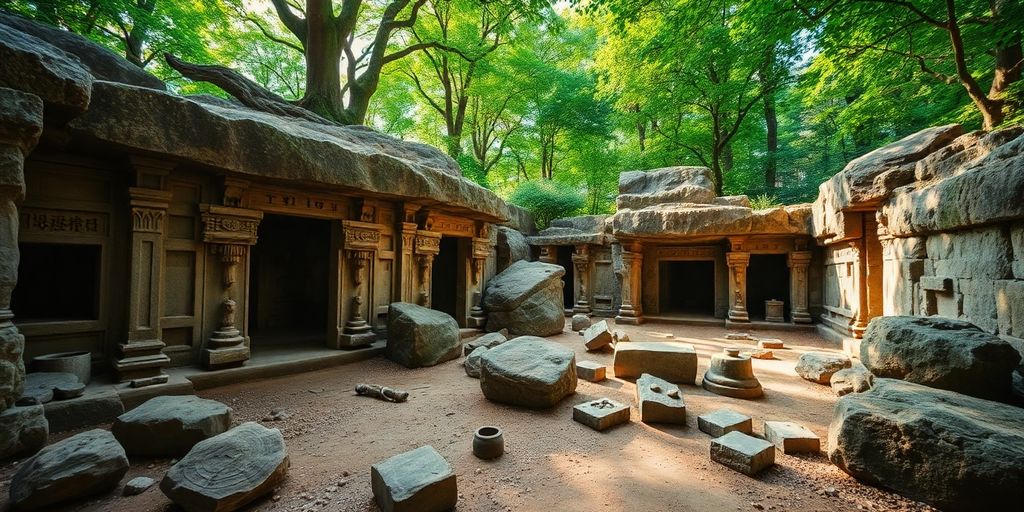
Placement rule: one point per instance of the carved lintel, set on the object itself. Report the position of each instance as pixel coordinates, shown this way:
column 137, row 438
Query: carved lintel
column 360, row 236
column 228, row 225
column 427, row 242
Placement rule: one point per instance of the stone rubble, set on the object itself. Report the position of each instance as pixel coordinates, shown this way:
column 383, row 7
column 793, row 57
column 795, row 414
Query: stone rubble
column 137, row 485
column 741, row 452
column 659, row 401
column 169, row 426
column 791, row 437
column 591, row 371
column 597, row 336
column 820, row 366
column 579, row 322
column 721, row 422
column 855, row 379
column 472, row 363
column 420, row 480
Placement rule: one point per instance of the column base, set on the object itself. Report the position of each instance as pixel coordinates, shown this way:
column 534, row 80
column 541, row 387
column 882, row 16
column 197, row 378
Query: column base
column 356, row 340
column 476, row 322
column 801, row 317
column 226, row 357
column 142, row 363
column 582, row 308
column 629, row 316
column 739, row 316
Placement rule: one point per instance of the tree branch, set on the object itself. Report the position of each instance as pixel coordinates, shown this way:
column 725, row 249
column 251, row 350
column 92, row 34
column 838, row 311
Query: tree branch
column 294, row 23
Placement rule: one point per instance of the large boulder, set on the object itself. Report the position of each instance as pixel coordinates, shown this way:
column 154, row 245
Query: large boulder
column 99, row 60
column 639, row 189
column 420, row 480
column 79, row 466
column 940, row 353
column 949, row 450
column 24, row 431
column 227, row 471
column 526, row 299
column 512, row 247
column 419, row 336
column 529, row 372
column 170, row 425
column 37, row 67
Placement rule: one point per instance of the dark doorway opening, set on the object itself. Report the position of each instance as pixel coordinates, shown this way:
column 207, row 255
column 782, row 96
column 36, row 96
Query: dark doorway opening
column 767, row 279
column 687, row 287
column 444, row 277
column 569, row 279
column 288, row 282
column 57, row 282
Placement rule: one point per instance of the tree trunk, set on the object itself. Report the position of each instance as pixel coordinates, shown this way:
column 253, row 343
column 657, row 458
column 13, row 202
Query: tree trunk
column 323, row 63
column 716, row 168
column 772, row 123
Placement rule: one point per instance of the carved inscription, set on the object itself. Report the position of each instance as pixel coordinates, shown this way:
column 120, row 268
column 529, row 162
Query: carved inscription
column 53, row 221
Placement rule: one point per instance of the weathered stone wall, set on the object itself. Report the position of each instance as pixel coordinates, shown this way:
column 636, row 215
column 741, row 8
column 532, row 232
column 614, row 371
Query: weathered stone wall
column 946, row 212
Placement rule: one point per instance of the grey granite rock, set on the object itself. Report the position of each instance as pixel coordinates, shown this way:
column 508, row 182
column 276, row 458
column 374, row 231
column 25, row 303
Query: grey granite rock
column 529, row 372
column 23, row 431
column 820, row 366
column 170, row 425
column 419, row 336
column 526, row 299
column 420, row 480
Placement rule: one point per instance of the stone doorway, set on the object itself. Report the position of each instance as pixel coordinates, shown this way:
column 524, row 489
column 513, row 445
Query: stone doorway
column 288, row 282
column 687, row 288
column 70, row 270
column 444, row 278
column 767, row 279
column 564, row 259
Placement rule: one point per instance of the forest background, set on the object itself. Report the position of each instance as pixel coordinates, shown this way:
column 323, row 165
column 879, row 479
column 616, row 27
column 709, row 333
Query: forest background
column 547, row 103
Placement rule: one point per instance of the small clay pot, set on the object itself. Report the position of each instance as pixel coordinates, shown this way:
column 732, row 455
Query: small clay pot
column 488, row 443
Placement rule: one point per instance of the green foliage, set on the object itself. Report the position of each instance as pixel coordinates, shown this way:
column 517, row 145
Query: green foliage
column 547, row 201
column 764, row 202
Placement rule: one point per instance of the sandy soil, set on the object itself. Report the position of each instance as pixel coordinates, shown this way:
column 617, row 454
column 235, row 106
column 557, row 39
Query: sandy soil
column 552, row 463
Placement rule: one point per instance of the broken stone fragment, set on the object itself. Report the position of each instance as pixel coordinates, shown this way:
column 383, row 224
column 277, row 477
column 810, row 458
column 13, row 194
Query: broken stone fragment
column 723, row 421
column 82, row 465
column 601, row 414
column 528, row 372
column 791, row 437
column 855, row 379
column 657, row 406
column 741, row 452
column 820, row 366
column 472, row 364
column 673, row 361
column 170, row 425
column 137, row 485
column 597, row 336
column 591, row 371
column 579, row 322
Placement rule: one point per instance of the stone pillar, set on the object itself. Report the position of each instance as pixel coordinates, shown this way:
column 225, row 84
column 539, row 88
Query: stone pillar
column 481, row 250
column 548, row 254
column 21, row 123
column 427, row 245
column 361, row 240
column 738, row 261
column 859, row 322
column 230, row 232
column 631, row 312
column 581, row 260
column 798, row 289
column 142, row 359
column 405, row 264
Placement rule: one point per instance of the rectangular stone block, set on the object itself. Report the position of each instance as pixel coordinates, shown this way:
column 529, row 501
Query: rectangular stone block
column 723, row 421
column 791, row 437
column 597, row 336
column 420, row 480
column 936, row 283
column 741, row 452
column 672, row 361
column 770, row 344
column 601, row 414
column 591, row 371
column 659, row 401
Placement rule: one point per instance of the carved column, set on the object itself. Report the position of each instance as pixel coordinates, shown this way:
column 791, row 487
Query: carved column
column 859, row 322
column 581, row 260
column 738, row 262
column 631, row 311
column 406, row 266
column 548, row 254
column 799, row 261
column 142, row 359
column 230, row 232
column 427, row 244
column 481, row 251
column 361, row 240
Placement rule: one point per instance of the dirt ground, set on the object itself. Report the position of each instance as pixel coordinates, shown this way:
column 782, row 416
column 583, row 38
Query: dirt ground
column 551, row 462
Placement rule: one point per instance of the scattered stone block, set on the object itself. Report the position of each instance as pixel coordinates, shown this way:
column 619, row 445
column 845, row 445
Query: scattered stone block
column 82, row 465
column 101, row 406
column 940, row 353
column 170, row 425
column 601, row 414
column 489, row 340
column 739, row 336
column 420, row 480
column 41, row 385
column 770, row 343
column 529, row 372
column 659, row 401
column 620, row 336
column 741, row 452
column 791, row 437
column 760, row 354
column 579, row 322
column 820, row 366
column 597, row 336
column 137, row 485
column 472, row 364
column 591, row 371
column 673, row 361
column 723, row 421
column 228, row 471
column 419, row 336
column 952, row 451
column 855, row 379
column 23, row 431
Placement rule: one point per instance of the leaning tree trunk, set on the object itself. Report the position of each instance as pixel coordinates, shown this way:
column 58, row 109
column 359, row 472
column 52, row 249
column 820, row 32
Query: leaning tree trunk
column 244, row 90
column 323, row 47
